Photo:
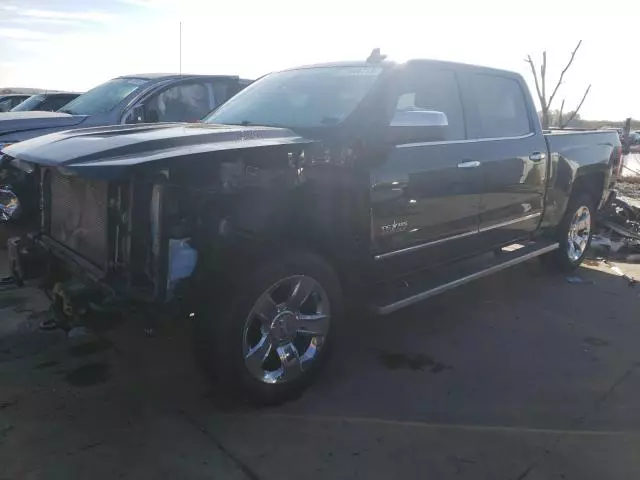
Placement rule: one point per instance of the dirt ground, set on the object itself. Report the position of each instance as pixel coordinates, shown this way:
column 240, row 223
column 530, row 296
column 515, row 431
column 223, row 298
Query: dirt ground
column 523, row 375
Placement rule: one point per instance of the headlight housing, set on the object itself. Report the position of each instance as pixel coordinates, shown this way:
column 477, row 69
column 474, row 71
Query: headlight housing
column 9, row 204
column 5, row 144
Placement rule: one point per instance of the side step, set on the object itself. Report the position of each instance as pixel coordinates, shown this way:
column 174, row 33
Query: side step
column 401, row 293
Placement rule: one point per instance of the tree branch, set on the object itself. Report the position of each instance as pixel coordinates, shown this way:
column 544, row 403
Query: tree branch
column 560, row 114
column 535, row 78
column 543, row 76
column 575, row 112
column 555, row 90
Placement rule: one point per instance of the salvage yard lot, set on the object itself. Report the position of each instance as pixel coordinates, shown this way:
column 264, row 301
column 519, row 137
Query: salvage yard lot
column 523, row 375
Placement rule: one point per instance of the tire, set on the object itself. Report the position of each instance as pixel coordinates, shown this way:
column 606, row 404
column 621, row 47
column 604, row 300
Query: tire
column 571, row 253
column 243, row 344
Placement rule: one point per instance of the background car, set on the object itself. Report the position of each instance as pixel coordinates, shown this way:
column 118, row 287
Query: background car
column 7, row 102
column 45, row 102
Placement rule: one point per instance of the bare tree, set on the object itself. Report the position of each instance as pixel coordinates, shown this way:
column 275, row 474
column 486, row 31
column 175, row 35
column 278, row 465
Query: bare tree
column 541, row 89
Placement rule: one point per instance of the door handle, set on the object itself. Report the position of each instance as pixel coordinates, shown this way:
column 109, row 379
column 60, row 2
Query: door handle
column 474, row 164
column 537, row 156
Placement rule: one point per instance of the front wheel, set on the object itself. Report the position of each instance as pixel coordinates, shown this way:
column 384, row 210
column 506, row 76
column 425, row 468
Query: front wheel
column 278, row 331
column 574, row 233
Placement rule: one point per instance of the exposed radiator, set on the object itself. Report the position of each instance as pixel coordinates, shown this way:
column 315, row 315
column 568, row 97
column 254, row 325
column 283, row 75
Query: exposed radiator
column 78, row 209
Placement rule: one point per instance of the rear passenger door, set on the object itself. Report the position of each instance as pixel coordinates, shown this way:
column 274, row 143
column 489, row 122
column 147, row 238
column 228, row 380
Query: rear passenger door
column 511, row 151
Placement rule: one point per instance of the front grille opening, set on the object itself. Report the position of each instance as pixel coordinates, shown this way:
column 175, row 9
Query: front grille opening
column 78, row 215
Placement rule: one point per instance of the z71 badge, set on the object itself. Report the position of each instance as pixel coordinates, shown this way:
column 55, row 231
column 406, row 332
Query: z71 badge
column 395, row 227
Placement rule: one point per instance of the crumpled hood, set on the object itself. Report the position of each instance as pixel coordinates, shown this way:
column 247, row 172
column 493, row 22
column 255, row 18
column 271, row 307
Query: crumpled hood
column 15, row 122
column 103, row 152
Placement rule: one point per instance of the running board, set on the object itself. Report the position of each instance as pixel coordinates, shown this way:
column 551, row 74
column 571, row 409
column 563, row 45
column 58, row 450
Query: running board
column 418, row 287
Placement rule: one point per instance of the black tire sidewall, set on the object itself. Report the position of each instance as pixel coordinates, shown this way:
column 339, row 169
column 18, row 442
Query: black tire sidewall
column 222, row 329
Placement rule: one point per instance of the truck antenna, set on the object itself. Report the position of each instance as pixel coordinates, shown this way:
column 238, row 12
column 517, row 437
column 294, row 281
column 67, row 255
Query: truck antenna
column 180, row 48
column 375, row 56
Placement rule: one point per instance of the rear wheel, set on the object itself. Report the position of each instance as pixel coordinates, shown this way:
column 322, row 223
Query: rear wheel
column 574, row 233
column 278, row 331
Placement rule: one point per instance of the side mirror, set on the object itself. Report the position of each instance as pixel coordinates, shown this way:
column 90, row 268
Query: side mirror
column 419, row 118
column 417, row 126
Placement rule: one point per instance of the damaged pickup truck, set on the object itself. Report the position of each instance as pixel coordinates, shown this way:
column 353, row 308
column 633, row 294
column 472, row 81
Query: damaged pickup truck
column 314, row 188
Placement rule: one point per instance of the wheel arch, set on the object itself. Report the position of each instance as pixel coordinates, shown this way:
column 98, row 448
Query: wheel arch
column 590, row 183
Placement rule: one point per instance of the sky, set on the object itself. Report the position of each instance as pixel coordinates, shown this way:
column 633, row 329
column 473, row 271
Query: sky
column 77, row 44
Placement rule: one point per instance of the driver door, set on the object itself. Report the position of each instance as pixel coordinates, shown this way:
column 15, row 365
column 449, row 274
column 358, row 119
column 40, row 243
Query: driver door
column 425, row 195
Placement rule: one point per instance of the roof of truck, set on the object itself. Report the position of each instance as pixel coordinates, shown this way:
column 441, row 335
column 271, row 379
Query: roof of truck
column 158, row 76
column 390, row 64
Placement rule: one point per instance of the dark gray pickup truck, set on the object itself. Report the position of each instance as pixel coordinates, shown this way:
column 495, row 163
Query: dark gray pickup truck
column 314, row 188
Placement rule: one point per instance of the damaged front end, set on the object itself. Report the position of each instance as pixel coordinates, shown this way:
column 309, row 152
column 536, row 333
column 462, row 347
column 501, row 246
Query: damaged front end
column 127, row 213
column 108, row 241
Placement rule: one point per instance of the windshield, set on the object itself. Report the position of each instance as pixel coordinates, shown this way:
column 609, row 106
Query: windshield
column 31, row 103
column 305, row 98
column 104, row 97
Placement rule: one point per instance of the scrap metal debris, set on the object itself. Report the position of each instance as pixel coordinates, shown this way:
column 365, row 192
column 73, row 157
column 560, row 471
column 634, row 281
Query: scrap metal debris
column 618, row 229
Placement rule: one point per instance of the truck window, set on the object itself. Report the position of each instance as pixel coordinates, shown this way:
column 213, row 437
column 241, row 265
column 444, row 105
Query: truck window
column 317, row 97
column 186, row 102
column 56, row 102
column 502, row 110
column 428, row 89
column 104, row 97
column 31, row 103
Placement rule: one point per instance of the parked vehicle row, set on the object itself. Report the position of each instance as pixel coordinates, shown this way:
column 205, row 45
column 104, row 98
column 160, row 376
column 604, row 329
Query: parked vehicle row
column 313, row 188
column 9, row 101
column 45, row 102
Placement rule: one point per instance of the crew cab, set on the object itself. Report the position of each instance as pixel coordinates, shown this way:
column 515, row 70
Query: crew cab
column 317, row 187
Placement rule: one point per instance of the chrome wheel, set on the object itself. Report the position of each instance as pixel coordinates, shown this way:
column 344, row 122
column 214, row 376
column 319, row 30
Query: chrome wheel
column 286, row 329
column 579, row 232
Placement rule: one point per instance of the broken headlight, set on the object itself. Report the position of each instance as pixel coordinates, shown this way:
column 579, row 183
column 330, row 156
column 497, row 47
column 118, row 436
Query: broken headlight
column 9, row 204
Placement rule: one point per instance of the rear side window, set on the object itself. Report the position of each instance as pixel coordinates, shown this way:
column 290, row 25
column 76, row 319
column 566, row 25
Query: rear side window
column 56, row 102
column 433, row 90
column 184, row 102
column 502, row 110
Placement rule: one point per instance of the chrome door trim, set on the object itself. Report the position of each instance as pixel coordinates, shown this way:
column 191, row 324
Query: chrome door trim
column 413, row 248
column 509, row 222
column 470, row 140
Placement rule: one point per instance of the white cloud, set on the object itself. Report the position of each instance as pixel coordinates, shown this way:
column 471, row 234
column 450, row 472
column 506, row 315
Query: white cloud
column 143, row 3
column 90, row 16
column 22, row 34
column 9, row 8
column 49, row 21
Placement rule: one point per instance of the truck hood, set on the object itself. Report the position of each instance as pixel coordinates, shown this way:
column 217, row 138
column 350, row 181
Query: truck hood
column 16, row 122
column 104, row 152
